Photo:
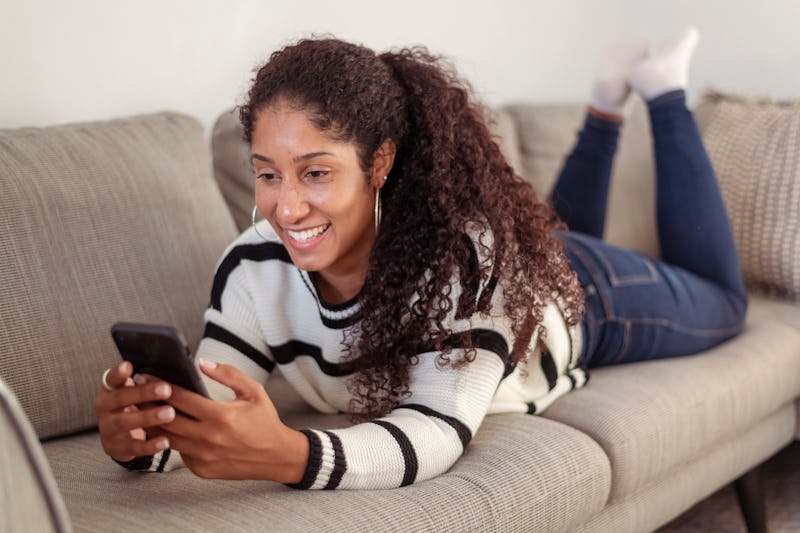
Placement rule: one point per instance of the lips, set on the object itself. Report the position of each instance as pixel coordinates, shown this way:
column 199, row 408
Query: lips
column 307, row 235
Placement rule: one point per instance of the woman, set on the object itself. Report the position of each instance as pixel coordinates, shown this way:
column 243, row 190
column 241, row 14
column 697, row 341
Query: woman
column 406, row 275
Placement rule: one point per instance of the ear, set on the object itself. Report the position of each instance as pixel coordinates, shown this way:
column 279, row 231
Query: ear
column 382, row 162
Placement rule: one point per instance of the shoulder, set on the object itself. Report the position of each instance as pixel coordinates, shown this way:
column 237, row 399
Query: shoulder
column 253, row 253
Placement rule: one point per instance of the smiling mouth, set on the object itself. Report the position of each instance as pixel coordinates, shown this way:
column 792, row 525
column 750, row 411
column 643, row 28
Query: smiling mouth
column 309, row 234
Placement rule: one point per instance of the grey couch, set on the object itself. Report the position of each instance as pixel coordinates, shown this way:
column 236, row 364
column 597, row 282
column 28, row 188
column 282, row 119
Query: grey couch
column 124, row 220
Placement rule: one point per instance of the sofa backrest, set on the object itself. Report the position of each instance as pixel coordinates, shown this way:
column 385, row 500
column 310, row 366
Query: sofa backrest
column 99, row 222
column 542, row 136
column 232, row 168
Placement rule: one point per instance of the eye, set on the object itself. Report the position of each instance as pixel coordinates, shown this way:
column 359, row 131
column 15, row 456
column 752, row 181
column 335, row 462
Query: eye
column 317, row 174
column 267, row 176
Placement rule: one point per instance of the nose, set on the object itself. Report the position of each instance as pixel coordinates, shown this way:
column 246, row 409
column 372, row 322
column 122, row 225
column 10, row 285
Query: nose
column 292, row 205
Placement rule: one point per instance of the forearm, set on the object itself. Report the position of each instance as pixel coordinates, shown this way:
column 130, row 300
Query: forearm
column 417, row 441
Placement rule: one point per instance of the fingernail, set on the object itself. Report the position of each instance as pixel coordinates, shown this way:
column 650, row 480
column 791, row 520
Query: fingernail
column 162, row 444
column 163, row 390
column 167, row 413
column 123, row 367
column 211, row 365
column 139, row 379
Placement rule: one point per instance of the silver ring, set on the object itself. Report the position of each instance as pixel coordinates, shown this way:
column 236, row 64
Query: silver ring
column 106, row 386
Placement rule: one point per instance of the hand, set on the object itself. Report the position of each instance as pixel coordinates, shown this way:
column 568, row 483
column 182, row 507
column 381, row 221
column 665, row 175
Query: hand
column 241, row 439
column 124, row 412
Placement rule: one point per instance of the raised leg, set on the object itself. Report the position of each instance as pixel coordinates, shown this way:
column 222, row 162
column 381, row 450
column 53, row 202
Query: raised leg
column 580, row 196
column 694, row 230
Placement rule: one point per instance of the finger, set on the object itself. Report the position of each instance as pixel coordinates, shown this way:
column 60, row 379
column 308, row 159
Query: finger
column 126, row 422
column 193, row 404
column 125, row 449
column 187, row 445
column 185, row 427
column 155, row 431
column 245, row 387
column 137, row 395
column 141, row 379
column 118, row 375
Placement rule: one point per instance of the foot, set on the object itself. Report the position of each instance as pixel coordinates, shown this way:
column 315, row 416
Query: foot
column 667, row 68
column 613, row 68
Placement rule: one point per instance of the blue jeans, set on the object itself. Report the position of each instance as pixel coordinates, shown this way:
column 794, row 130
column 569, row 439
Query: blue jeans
column 639, row 308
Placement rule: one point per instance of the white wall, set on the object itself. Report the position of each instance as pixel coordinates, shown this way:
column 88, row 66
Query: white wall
column 64, row 61
column 749, row 46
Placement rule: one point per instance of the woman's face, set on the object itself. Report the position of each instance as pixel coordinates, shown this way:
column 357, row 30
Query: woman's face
column 314, row 193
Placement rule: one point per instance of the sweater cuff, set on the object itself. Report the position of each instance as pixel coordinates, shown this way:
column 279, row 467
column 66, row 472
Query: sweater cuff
column 146, row 462
column 137, row 463
column 326, row 461
column 314, row 461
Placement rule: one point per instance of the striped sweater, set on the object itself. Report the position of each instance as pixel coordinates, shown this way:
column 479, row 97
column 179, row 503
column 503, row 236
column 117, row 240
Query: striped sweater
column 266, row 313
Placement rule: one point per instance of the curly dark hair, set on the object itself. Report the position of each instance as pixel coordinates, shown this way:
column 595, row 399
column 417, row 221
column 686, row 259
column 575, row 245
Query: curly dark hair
column 448, row 174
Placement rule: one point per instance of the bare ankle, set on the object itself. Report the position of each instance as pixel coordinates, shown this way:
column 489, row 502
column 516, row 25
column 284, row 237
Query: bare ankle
column 610, row 117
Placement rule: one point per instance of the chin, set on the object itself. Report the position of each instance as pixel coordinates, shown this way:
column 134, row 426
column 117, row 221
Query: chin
column 309, row 264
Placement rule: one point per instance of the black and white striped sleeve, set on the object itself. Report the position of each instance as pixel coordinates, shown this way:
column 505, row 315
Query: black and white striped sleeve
column 232, row 333
column 420, row 439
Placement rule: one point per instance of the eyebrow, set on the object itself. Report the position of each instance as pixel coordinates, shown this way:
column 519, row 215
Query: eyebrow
column 296, row 159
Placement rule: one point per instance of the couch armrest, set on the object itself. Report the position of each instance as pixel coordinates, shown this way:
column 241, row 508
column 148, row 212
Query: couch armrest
column 29, row 497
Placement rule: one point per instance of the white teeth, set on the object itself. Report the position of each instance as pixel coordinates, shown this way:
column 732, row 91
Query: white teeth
column 307, row 235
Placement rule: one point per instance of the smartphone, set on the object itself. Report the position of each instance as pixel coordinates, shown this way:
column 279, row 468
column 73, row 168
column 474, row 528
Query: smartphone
column 160, row 351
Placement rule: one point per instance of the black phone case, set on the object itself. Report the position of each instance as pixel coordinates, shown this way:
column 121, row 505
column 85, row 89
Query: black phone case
column 160, row 351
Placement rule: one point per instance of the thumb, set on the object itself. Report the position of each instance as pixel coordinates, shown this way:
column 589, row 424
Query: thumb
column 245, row 387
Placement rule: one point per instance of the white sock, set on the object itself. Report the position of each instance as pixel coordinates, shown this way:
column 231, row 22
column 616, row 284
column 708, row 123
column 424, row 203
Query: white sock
column 613, row 67
column 667, row 68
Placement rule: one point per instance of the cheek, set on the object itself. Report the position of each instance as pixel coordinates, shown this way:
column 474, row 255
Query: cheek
column 323, row 198
column 264, row 199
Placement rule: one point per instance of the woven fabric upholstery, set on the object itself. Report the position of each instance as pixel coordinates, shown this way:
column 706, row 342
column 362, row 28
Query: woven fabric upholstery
column 29, row 498
column 652, row 417
column 546, row 133
column 755, row 147
column 666, row 498
column 232, row 168
column 99, row 222
column 520, row 473
column 504, row 132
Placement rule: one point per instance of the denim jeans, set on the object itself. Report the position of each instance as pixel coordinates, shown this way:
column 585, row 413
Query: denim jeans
column 639, row 308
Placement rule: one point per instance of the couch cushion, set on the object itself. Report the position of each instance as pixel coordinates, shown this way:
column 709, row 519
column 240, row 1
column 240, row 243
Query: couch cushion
column 99, row 222
column 755, row 147
column 29, row 498
column 652, row 416
column 504, row 131
column 232, row 168
column 547, row 133
column 519, row 473
column 688, row 483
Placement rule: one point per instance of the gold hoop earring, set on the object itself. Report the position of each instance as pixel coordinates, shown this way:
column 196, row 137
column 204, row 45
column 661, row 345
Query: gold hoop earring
column 253, row 222
column 377, row 209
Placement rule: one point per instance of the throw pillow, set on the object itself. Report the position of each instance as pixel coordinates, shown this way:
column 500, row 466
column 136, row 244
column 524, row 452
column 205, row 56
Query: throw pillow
column 754, row 145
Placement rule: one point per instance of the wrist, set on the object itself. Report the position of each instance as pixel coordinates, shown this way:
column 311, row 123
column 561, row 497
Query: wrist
column 294, row 453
